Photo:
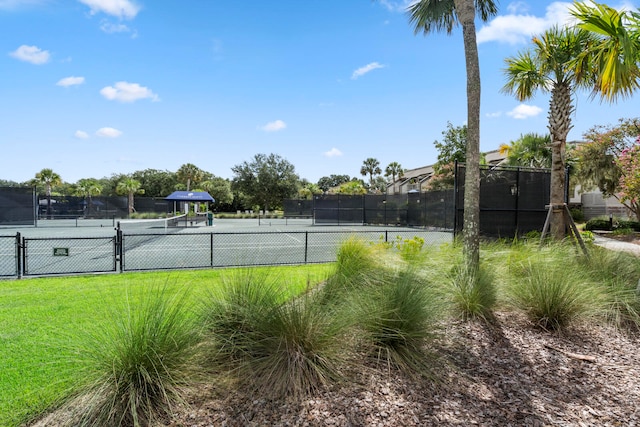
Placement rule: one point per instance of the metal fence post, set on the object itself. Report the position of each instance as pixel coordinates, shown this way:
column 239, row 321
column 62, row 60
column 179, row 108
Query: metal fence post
column 211, row 249
column 306, row 245
column 18, row 255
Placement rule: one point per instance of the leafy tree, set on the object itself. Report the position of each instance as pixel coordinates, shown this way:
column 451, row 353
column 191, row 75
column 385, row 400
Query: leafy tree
column 219, row 189
column 393, row 170
column 266, row 180
column 49, row 179
column 156, row 183
column 327, row 182
column 130, row 186
column 353, row 187
column 308, row 189
column 9, row 183
column 370, row 167
column 189, row 174
column 110, row 185
column 598, row 160
column 87, row 188
column 379, row 185
column 453, row 146
column 629, row 184
column 549, row 66
column 444, row 15
column 530, row 150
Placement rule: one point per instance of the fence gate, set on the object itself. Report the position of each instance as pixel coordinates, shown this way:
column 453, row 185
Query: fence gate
column 68, row 255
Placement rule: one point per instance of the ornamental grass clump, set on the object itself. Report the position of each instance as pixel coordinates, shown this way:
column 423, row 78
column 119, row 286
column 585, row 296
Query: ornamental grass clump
column 471, row 294
column 617, row 274
column 398, row 319
column 134, row 368
column 272, row 344
column 552, row 293
column 358, row 265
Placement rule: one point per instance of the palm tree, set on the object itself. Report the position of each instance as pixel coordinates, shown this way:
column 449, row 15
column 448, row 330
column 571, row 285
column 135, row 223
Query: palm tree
column 548, row 67
column 444, row 15
column 613, row 57
column 189, row 173
column 370, row 167
column 393, row 170
column 530, row 150
column 129, row 186
column 49, row 179
column 88, row 187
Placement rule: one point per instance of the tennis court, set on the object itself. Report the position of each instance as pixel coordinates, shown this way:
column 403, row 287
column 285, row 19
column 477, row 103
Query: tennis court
column 156, row 245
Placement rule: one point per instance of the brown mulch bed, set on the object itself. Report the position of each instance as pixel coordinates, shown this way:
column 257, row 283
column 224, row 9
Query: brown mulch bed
column 504, row 374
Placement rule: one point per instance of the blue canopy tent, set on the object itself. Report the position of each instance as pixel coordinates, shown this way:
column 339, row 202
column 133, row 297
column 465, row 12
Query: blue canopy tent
column 187, row 197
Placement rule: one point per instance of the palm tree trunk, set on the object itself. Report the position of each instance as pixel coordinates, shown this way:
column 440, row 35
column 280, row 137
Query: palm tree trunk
column 130, row 202
column 560, row 110
column 471, row 220
column 48, row 201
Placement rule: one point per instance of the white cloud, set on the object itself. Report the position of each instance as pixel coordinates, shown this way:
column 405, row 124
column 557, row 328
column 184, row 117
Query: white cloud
column 274, row 126
column 396, row 5
column 70, row 81
column 80, row 134
column 127, row 92
column 110, row 28
column 334, row 152
column 494, row 115
column 518, row 26
column 366, row 69
column 108, row 132
column 524, row 111
column 119, row 8
column 32, row 54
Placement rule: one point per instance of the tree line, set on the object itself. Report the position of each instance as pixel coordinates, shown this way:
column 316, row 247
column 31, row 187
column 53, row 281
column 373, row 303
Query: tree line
column 260, row 183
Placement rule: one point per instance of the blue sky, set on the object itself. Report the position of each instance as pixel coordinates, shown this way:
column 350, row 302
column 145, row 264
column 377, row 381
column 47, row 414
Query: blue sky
column 90, row 88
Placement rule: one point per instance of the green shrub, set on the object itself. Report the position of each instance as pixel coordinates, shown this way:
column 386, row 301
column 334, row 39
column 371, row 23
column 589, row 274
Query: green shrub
column 628, row 224
column 134, row 370
column 598, row 224
column 577, row 214
column 622, row 232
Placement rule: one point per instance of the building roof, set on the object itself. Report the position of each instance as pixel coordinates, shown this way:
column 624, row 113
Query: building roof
column 190, row 196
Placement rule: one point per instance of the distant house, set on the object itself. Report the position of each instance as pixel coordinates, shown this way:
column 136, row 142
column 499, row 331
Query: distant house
column 414, row 180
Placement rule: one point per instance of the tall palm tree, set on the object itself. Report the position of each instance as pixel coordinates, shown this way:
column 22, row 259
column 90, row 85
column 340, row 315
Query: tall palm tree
column 87, row 188
column 549, row 66
column 129, row 186
column 614, row 55
column 370, row 167
column 49, row 179
column 393, row 170
column 189, row 173
column 444, row 15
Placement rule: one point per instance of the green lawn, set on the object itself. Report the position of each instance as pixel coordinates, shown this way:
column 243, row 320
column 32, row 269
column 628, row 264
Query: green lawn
column 40, row 318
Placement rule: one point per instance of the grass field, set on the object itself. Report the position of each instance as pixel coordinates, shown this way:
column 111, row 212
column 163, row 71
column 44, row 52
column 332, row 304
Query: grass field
column 41, row 318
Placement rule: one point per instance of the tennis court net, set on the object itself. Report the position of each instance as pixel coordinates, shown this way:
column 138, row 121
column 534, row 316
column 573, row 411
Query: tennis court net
column 152, row 225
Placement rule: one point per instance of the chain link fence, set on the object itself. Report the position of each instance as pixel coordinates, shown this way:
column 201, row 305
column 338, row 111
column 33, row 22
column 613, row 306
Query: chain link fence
column 23, row 256
column 210, row 250
column 9, row 256
column 68, row 255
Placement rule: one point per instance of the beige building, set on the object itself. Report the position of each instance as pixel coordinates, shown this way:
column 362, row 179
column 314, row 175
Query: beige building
column 413, row 180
